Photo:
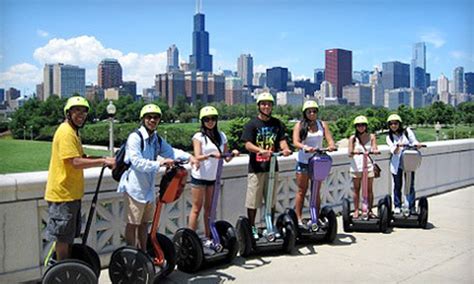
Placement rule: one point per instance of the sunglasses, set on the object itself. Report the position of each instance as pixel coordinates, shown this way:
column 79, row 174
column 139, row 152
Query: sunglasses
column 311, row 111
column 361, row 124
column 393, row 123
column 209, row 118
column 150, row 117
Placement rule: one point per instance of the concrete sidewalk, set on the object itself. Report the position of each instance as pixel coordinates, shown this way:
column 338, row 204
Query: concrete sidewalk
column 441, row 254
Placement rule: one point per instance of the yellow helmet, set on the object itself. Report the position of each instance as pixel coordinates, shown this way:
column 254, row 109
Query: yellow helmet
column 394, row 117
column 310, row 104
column 265, row 97
column 361, row 120
column 150, row 108
column 76, row 101
column 208, row 111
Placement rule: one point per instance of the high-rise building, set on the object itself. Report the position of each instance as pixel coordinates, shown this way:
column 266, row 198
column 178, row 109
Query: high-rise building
column 245, row 69
column 170, row 86
column 233, row 90
column 318, row 77
column 469, row 83
column 361, row 77
column 11, row 95
column 200, row 60
column 109, row 73
column 418, row 67
column 395, row 75
column 443, row 84
column 129, row 88
column 377, row 88
column 39, row 92
column 172, row 59
column 358, row 95
column 2, row 95
column 277, row 77
column 327, row 90
column 260, row 79
column 48, row 81
column 338, row 70
column 458, row 78
column 411, row 97
column 307, row 87
column 68, row 80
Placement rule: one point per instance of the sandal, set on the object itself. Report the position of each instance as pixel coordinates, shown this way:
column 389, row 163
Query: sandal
column 372, row 215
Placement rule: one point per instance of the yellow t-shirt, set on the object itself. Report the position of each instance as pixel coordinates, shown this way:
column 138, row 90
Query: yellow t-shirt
column 65, row 183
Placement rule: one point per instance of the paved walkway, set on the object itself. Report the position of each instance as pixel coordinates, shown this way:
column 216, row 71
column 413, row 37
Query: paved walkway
column 441, row 254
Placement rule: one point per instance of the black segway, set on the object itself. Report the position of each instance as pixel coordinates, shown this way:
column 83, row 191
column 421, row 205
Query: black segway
column 410, row 160
column 131, row 265
column 322, row 226
column 191, row 255
column 84, row 264
column 367, row 223
column 270, row 239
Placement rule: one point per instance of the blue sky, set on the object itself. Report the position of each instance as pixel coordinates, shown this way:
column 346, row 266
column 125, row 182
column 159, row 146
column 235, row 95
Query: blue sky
column 288, row 33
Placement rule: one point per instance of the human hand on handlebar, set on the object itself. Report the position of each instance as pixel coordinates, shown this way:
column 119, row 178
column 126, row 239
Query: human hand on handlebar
column 286, row 152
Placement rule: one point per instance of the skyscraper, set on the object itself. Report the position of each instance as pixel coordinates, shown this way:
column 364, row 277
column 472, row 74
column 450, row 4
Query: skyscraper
column 47, row 81
column 109, row 73
column 338, row 69
column 469, row 82
column 458, row 78
column 418, row 67
column 245, row 69
column 277, row 78
column 172, row 59
column 443, row 84
column 395, row 75
column 200, row 60
column 318, row 77
column 68, row 80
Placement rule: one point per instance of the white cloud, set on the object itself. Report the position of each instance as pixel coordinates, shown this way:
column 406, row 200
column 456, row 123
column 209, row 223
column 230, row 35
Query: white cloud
column 42, row 33
column 21, row 76
column 260, row 68
column 435, row 38
column 300, row 77
column 87, row 52
column 461, row 55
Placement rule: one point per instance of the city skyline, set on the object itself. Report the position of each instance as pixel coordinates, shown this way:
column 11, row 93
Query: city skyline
column 289, row 34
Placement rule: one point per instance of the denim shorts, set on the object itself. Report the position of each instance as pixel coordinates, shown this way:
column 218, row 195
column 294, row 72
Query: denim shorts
column 201, row 182
column 64, row 222
column 302, row 168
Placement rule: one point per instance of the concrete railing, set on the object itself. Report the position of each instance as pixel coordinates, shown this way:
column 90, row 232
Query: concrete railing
column 446, row 165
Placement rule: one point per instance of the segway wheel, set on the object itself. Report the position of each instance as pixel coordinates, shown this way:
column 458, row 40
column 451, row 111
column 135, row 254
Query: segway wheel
column 328, row 216
column 423, row 216
column 288, row 230
column 383, row 215
column 130, row 265
column 346, row 217
column 388, row 203
column 228, row 238
column 292, row 214
column 188, row 249
column 244, row 236
column 83, row 253
column 70, row 271
column 167, row 247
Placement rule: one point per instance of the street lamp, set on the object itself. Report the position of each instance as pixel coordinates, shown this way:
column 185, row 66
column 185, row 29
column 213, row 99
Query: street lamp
column 111, row 112
column 437, row 128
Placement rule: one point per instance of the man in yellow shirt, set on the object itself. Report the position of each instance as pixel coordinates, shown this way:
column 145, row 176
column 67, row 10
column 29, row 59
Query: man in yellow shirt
column 65, row 186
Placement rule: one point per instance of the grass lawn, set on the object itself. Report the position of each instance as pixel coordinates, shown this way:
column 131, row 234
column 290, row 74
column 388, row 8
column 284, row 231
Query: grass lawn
column 19, row 156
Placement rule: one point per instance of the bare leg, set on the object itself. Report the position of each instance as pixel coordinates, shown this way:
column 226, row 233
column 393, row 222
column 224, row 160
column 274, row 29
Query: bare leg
column 370, row 184
column 197, row 199
column 143, row 235
column 63, row 251
column 356, row 182
column 302, row 182
column 251, row 213
column 131, row 235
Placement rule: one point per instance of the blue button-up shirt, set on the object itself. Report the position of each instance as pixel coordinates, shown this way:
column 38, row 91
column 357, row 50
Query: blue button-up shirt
column 139, row 180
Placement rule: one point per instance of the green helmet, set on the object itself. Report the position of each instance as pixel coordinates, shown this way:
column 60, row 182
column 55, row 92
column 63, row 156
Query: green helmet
column 265, row 97
column 150, row 108
column 208, row 111
column 361, row 120
column 394, row 117
column 76, row 101
column 310, row 104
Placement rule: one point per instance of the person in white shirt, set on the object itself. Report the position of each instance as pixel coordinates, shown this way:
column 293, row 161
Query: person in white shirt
column 308, row 135
column 362, row 141
column 209, row 141
column 397, row 137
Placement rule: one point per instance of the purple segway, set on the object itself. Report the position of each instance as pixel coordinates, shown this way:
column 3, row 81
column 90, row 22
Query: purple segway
column 191, row 255
column 322, row 226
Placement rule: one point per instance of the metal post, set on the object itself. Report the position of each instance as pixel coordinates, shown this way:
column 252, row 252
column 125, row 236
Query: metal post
column 111, row 136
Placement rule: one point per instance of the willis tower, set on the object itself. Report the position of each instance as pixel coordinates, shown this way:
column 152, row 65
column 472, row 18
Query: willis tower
column 200, row 60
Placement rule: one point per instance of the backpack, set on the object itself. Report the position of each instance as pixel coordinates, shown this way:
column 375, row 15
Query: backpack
column 120, row 165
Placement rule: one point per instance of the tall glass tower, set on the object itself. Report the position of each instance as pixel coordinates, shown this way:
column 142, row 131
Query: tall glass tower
column 418, row 67
column 200, row 60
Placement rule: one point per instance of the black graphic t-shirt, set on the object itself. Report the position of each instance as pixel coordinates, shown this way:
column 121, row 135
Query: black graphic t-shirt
column 266, row 135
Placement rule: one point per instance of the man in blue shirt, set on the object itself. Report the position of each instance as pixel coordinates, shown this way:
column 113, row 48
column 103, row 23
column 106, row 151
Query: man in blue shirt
column 138, row 182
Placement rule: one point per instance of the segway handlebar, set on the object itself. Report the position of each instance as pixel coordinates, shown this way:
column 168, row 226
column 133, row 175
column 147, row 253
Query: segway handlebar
column 412, row 147
column 362, row 153
column 223, row 155
column 321, row 150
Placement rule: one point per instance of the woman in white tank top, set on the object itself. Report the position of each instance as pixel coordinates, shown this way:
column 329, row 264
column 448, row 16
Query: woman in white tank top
column 308, row 135
column 362, row 137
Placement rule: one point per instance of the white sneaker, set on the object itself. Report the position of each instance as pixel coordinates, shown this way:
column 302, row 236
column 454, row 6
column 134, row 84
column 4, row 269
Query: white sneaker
column 397, row 210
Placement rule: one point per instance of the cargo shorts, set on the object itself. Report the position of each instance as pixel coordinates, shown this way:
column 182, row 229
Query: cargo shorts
column 257, row 184
column 64, row 222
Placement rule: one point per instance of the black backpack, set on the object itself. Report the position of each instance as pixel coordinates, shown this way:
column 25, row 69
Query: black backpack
column 120, row 165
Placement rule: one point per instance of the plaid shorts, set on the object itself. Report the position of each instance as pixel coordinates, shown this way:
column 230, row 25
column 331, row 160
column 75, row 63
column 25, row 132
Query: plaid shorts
column 64, row 223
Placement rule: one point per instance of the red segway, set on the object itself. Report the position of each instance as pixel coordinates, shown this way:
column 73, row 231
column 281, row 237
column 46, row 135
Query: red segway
column 131, row 265
column 84, row 264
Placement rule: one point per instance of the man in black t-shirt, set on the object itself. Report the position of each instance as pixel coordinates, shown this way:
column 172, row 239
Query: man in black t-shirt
column 262, row 136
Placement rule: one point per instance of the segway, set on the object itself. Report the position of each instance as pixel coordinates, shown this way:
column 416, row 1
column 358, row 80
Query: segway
column 322, row 226
column 131, row 265
column 84, row 264
column 283, row 237
column 410, row 160
column 191, row 255
column 378, row 223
